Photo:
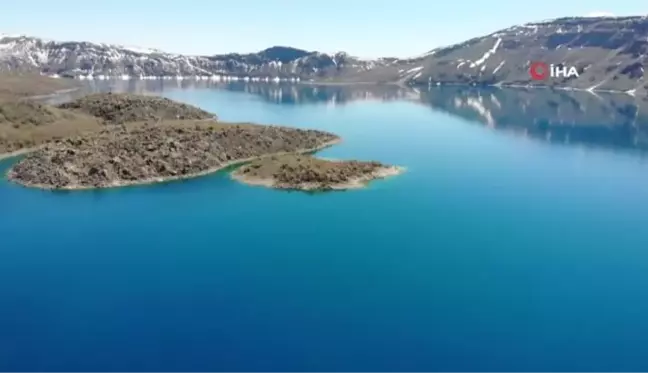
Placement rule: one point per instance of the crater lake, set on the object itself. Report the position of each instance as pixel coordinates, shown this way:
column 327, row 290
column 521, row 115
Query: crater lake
column 515, row 240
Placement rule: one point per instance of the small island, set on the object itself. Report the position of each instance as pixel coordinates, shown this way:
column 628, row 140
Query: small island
column 304, row 172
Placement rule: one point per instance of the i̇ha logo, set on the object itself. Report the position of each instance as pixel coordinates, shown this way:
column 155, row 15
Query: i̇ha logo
column 542, row 71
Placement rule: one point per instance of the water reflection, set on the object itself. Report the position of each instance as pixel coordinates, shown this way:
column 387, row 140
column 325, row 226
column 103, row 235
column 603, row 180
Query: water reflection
column 280, row 93
column 569, row 117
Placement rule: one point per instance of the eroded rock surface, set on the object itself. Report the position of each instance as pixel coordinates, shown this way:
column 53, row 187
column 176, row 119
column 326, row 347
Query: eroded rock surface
column 156, row 152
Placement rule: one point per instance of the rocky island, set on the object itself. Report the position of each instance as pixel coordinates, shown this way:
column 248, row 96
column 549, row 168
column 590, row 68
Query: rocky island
column 304, row 172
column 157, row 152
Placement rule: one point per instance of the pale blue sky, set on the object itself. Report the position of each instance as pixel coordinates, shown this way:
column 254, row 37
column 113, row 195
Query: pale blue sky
column 365, row 28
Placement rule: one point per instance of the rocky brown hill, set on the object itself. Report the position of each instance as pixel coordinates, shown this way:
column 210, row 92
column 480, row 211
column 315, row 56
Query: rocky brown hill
column 116, row 108
column 156, row 152
column 25, row 123
column 302, row 172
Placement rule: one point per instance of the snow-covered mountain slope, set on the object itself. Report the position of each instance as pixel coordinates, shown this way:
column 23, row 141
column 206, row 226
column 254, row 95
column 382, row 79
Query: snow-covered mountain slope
column 609, row 54
column 85, row 59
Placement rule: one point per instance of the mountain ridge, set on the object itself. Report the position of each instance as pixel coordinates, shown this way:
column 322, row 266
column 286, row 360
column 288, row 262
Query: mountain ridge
column 88, row 59
column 610, row 54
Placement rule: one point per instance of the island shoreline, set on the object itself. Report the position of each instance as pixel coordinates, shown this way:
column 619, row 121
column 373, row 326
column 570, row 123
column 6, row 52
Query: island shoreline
column 17, row 153
column 355, row 183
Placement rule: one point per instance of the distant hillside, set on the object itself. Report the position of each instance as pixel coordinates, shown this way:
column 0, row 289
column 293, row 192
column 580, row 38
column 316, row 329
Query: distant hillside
column 74, row 59
column 609, row 53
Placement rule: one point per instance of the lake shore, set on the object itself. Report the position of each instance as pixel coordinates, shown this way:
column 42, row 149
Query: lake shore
column 53, row 94
column 17, row 153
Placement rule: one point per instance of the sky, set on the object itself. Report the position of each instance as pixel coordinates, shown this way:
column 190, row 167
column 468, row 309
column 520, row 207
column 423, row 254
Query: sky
column 363, row 28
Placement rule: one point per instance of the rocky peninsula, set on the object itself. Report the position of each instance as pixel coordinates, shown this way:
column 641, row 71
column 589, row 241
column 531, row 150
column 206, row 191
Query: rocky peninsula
column 156, row 152
column 304, row 172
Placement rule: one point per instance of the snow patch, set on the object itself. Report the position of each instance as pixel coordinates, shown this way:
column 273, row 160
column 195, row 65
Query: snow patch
column 413, row 70
column 3, row 35
column 139, row 50
column 430, row 53
column 486, row 55
column 498, row 67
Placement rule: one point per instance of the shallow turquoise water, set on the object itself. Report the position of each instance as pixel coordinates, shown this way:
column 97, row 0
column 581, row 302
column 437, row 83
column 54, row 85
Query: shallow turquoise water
column 492, row 252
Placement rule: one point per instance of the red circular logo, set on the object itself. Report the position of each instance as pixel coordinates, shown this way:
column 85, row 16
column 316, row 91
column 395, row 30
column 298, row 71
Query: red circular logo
column 539, row 71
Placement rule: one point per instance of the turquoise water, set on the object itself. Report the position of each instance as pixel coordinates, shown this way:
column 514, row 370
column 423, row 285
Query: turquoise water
column 494, row 251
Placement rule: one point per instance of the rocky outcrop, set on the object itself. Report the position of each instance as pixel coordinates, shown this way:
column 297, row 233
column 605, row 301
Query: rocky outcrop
column 126, row 108
column 302, row 172
column 148, row 153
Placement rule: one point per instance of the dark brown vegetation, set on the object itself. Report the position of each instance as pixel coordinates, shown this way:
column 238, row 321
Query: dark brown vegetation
column 117, row 108
column 305, row 172
column 154, row 152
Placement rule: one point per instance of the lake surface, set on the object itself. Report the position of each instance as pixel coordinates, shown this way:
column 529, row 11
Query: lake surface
column 516, row 240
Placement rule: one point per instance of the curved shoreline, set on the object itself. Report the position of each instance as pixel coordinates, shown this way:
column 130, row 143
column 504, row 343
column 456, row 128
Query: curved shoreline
column 18, row 152
column 354, row 183
column 160, row 180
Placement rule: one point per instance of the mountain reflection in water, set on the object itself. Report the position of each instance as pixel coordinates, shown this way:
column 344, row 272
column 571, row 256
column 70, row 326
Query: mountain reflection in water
column 609, row 120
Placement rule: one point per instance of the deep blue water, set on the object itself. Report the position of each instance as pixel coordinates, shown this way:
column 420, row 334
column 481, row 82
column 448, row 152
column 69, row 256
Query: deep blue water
column 494, row 251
